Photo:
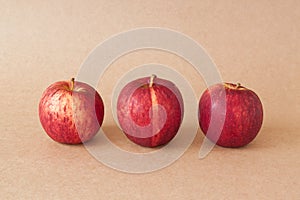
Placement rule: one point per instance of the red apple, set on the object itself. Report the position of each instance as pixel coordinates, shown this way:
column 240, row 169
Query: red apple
column 150, row 111
column 71, row 112
column 243, row 118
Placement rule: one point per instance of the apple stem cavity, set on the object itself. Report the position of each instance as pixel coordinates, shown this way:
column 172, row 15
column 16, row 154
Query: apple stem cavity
column 153, row 76
column 238, row 85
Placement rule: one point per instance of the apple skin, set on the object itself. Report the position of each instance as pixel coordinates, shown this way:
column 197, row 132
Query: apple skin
column 136, row 111
column 243, row 118
column 71, row 112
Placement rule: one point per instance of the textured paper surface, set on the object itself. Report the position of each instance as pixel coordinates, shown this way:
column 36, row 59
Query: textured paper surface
column 253, row 42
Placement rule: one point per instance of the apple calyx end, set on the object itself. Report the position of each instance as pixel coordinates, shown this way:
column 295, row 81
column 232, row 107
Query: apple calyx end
column 152, row 77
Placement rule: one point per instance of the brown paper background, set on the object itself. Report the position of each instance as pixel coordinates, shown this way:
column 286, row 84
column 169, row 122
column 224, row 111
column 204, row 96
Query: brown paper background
column 256, row 43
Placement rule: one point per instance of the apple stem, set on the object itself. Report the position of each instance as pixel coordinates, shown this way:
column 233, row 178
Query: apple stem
column 238, row 85
column 72, row 83
column 153, row 76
